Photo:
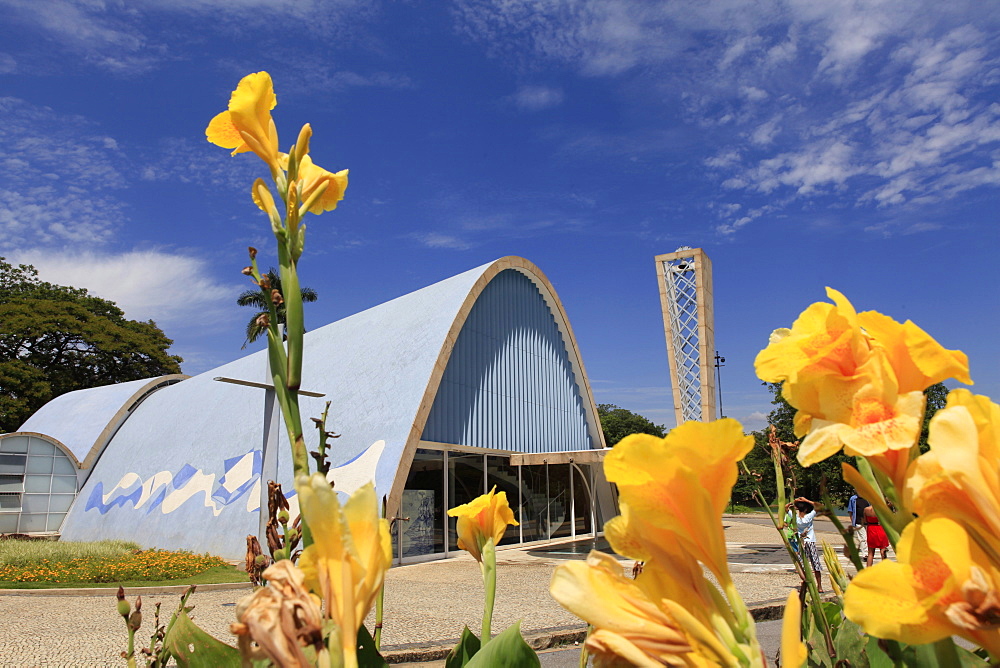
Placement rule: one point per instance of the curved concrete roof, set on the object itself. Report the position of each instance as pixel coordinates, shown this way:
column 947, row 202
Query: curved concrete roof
column 191, row 451
column 84, row 419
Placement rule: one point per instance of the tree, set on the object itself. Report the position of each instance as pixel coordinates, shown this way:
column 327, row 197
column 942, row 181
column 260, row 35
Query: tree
column 257, row 299
column 55, row 339
column 808, row 481
column 617, row 423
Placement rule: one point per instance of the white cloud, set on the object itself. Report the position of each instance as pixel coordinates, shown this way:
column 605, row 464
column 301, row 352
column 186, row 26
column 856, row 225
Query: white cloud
column 536, row 98
column 123, row 39
column 171, row 288
column 438, row 240
column 60, row 177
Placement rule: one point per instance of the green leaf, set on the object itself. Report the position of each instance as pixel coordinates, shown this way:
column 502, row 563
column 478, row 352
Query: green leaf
column 850, row 644
column 507, row 650
column 193, row 648
column 818, row 654
column 368, row 656
column 463, row 652
column 877, row 658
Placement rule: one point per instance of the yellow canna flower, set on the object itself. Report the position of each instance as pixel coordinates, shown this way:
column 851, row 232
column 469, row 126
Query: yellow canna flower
column 634, row 623
column 793, row 650
column 484, row 517
column 857, row 381
column 351, row 551
column 247, row 125
column 943, row 584
column 917, row 359
column 681, row 484
column 824, row 339
column 311, row 177
column 959, row 477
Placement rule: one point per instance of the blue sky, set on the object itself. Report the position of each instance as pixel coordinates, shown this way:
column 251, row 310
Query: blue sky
column 800, row 143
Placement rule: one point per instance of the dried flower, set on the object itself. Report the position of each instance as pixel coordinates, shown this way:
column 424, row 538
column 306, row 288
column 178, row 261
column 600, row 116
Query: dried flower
column 281, row 619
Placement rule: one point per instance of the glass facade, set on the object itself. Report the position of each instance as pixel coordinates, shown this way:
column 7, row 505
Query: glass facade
column 549, row 500
column 37, row 485
column 465, row 483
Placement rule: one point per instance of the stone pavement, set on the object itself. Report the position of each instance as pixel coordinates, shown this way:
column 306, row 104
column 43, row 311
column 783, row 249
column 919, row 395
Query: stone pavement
column 426, row 604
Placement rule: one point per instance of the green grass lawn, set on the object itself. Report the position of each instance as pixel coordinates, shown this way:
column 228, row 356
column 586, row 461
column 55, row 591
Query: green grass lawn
column 35, row 564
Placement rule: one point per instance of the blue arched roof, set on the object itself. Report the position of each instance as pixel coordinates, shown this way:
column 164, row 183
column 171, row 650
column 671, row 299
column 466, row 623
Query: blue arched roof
column 183, row 470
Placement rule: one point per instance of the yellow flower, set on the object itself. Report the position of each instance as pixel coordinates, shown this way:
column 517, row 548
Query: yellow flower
column 484, row 517
column 350, row 553
column 681, row 484
column 960, row 476
column 857, row 381
column 793, row 650
column 247, row 125
column 635, row 623
column 312, row 176
column 943, row 584
column 917, row 359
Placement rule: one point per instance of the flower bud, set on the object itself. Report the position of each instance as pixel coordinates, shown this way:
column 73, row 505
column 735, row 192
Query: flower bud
column 264, row 321
column 276, row 298
column 247, row 271
column 265, row 283
column 135, row 620
column 123, row 606
column 253, row 252
column 283, row 516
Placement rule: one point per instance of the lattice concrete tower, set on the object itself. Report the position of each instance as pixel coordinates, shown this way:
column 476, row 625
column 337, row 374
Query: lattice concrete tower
column 685, row 278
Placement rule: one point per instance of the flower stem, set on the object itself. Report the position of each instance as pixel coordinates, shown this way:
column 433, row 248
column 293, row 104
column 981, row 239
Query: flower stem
column 489, row 568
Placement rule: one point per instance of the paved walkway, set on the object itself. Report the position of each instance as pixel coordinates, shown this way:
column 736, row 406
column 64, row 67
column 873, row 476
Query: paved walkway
column 426, row 604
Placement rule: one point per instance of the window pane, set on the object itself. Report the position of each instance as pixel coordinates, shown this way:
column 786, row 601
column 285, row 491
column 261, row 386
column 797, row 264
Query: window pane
column 501, row 474
column 465, row 483
column 11, row 483
column 423, row 503
column 37, row 483
column 14, row 444
column 63, row 466
column 54, row 522
column 9, row 501
column 559, row 501
column 39, row 464
column 60, row 503
column 63, row 484
column 31, row 523
column 533, row 505
column 8, row 522
column 11, row 463
column 37, row 446
column 35, row 503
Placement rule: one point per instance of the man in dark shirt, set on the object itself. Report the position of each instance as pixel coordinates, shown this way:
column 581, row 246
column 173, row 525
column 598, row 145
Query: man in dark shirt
column 856, row 509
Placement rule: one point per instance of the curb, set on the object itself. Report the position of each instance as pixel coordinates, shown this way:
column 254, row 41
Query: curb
column 111, row 591
column 540, row 639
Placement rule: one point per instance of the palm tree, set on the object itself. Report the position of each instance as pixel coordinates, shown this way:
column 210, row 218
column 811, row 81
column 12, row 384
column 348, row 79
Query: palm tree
column 256, row 299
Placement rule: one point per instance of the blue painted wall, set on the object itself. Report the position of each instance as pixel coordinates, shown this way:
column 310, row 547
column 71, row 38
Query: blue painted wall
column 509, row 383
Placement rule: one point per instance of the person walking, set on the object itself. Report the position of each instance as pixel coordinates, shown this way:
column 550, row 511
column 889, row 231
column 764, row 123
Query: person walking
column 856, row 509
column 877, row 540
column 806, row 513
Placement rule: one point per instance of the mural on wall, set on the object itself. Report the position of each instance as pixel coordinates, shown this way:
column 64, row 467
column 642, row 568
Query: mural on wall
column 418, row 538
column 166, row 491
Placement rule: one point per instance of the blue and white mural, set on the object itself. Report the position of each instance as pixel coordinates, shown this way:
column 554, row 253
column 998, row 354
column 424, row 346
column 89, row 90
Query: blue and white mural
column 166, row 491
